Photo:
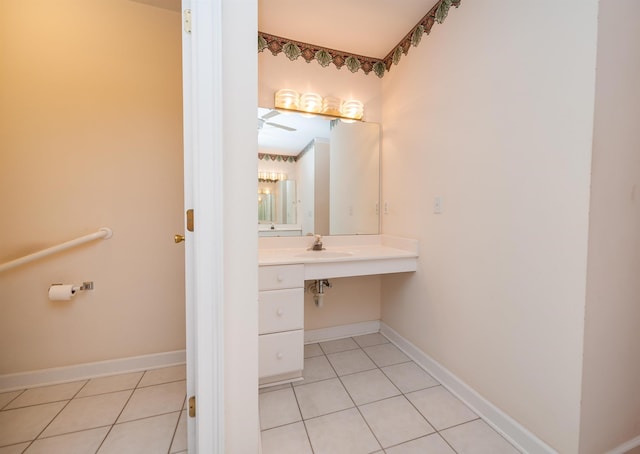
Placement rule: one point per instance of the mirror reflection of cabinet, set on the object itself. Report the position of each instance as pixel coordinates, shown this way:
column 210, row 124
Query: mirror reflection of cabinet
column 336, row 168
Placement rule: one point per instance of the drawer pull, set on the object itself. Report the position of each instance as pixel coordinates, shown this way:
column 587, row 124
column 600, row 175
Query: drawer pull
column 280, row 278
column 279, row 312
column 279, row 355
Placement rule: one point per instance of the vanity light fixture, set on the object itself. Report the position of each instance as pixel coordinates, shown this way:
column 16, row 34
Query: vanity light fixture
column 330, row 106
column 271, row 177
column 287, row 99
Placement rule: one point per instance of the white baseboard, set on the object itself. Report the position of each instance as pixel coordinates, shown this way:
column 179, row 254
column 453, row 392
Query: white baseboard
column 11, row 382
column 626, row 447
column 518, row 435
column 339, row 332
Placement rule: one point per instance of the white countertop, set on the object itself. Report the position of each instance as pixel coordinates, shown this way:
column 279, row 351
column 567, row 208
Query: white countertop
column 343, row 256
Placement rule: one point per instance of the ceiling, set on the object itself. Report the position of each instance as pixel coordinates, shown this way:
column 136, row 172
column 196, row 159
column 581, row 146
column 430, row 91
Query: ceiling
column 273, row 139
column 371, row 28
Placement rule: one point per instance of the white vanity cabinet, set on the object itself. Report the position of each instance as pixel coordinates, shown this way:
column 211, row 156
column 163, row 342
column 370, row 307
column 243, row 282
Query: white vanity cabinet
column 280, row 323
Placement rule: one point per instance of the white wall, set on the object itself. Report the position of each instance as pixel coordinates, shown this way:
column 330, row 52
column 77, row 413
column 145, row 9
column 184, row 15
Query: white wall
column 355, row 179
column 611, row 374
column 240, row 19
column 306, row 190
column 91, row 136
column 493, row 112
column 321, row 200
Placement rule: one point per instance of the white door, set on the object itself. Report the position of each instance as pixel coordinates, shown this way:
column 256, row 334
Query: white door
column 203, row 194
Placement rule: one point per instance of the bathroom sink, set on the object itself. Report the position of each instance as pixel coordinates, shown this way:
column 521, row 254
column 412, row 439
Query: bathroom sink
column 324, row 254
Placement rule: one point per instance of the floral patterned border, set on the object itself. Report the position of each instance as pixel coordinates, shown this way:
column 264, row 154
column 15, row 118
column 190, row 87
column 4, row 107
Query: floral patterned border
column 437, row 14
column 296, row 49
column 277, row 157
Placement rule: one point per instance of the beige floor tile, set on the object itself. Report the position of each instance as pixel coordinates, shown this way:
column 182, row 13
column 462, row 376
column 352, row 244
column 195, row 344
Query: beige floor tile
column 369, row 386
column 386, row 355
column 476, row 437
column 344, row 432
column 164, row 375
column 46, row 394
column 431, row 444
column 322, row 397
column 316, row 369
column 368, row 340
column 350, row 362
column 311, row 350
column 145, row 436
column 395, row 421
column 441, row 408
column 409, row 377
column 110, row 384
column 88, row 413
column 278, row 408
column 7, row 397
column 87, row 441
column 179, row 443
column 24, row 424
column 14, row 449
column 154, row 400
column 289, row 439
column 338, row 345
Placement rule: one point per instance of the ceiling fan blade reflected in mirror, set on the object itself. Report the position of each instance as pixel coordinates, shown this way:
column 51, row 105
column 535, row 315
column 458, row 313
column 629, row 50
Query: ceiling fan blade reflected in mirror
column 271, row 114
column 276, row 125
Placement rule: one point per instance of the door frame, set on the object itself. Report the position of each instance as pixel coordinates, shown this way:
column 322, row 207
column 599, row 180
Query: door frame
column 203, row 171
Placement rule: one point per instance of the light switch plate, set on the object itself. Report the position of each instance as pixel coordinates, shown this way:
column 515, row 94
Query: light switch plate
column 437, row 205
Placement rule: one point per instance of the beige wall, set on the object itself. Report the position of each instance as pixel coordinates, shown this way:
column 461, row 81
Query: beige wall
column 493, row 113
column 611, row 374
column 91, row 136
column 350, row 300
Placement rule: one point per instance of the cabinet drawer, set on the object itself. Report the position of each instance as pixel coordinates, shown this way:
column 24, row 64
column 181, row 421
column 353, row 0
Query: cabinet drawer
column 280, row 310
column 280, row 276
column 280, row 353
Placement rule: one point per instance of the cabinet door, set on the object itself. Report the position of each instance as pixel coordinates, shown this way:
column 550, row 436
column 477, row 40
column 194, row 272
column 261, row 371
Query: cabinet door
column 280, row 353
column 281, row 310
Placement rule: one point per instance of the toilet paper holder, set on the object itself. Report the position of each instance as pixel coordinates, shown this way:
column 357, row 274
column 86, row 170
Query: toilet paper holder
column 84, row 286
column 87, row 286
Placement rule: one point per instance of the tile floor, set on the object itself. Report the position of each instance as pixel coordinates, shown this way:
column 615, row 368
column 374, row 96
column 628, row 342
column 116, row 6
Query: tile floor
column 141, row 412
column 363, row 395
column 360, row 395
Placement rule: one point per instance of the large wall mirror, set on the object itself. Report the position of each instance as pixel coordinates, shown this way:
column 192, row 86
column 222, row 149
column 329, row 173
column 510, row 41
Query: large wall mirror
column 317, row 175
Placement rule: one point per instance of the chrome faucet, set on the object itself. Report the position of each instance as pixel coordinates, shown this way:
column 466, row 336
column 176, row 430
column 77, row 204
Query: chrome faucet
column 317, row 243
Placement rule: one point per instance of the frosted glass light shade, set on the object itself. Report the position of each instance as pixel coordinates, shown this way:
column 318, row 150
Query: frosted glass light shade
column 352, row 109
column 331, row 106
column 311, row 102
column 287, row 99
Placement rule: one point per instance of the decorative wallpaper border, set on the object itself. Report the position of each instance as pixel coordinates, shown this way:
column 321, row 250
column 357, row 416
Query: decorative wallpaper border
column 295, row 49
column 325, row 56
column 276, row 157
column 437, row 14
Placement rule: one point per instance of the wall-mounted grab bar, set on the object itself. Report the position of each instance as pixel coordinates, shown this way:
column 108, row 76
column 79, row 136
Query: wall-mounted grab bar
column 104, row 232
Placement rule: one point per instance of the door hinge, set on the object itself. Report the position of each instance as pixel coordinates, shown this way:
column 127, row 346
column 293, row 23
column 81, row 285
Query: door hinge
column 186, row 20
column 190, row 219
column 192, row 406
